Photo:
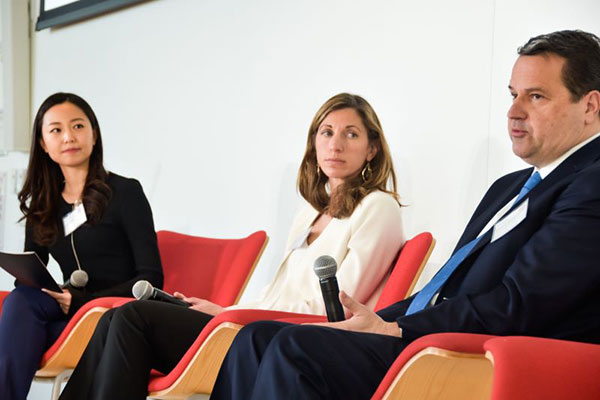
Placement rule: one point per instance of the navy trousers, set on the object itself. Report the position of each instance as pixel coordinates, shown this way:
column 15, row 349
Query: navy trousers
column 30, row 322
column 275, row 360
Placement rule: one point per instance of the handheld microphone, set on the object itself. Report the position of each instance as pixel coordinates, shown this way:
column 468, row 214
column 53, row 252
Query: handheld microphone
column 79, row 278
column 325, row 268
column 143, row 290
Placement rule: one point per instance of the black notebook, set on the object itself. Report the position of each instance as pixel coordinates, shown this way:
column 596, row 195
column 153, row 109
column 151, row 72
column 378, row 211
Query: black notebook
column 29, row 270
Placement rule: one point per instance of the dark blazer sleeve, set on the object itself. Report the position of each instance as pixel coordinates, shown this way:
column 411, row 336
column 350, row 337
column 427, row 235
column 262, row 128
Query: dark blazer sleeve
column 136, row 219
column 550, row 287
column 31, row 245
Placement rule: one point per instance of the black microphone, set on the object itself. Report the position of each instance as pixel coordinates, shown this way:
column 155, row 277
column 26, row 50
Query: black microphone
column 143, row 290
column 325, row 268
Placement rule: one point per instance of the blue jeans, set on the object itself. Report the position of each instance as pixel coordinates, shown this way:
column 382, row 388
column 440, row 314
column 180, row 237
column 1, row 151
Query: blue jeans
column 30, row 322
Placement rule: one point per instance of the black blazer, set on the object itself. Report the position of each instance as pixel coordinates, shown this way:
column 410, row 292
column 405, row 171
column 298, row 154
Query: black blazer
column 542, row 278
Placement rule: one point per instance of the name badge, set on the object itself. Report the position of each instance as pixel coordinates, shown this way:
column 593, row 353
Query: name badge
column 74, row 219
column 507, row 223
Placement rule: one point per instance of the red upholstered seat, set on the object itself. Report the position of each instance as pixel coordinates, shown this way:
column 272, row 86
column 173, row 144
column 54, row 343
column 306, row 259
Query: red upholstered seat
column 471, row 366
column 538, row 368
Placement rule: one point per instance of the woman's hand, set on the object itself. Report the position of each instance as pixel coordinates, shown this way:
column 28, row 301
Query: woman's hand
column 63, row 299
column 202, row 305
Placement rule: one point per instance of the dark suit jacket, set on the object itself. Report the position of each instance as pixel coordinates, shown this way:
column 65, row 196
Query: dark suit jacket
column 542, row 278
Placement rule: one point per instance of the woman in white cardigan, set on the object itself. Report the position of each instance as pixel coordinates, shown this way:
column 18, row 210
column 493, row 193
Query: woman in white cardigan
column 350, row 214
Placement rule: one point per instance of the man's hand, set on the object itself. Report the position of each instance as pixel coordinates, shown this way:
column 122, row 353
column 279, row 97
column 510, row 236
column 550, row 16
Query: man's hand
column 63, row 299
column 202, row 305
column 362, row 320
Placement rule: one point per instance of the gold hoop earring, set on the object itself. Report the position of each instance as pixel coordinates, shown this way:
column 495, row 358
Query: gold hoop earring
column 366, row 172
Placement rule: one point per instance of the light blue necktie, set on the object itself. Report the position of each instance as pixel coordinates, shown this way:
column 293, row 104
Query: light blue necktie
column 423, row 298
column 530, row 184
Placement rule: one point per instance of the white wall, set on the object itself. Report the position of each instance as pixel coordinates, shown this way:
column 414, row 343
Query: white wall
column 208, row 102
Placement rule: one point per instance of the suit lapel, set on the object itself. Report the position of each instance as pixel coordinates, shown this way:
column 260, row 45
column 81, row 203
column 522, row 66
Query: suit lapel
column 508, row 193
column 573, row 164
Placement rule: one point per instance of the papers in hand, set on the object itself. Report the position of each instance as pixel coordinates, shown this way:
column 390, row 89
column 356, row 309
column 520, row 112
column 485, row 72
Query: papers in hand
column 28, row 269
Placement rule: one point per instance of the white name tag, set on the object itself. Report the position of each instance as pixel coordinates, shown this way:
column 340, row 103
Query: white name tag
column 74, row 219
column 507, row 223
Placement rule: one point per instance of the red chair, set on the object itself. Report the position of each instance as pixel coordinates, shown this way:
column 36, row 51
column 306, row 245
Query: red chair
column 442, row 367
column 197, row 370
column 470, row 366
column 195, row 266
column 3, row 294
column 538, row 368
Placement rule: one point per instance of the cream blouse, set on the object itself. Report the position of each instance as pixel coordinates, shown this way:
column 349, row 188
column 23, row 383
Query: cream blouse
column 363, row 245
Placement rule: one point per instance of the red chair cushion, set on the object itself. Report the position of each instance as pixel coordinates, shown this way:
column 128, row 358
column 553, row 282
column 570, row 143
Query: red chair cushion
column 538, row 368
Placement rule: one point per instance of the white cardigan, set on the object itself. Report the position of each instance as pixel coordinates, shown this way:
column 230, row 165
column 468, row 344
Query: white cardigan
column 363, row 245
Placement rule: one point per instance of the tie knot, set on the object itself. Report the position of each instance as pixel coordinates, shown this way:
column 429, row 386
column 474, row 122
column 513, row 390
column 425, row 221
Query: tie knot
column 530, row 184
column 532, row 181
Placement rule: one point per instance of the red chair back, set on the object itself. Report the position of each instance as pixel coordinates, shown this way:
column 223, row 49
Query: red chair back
column 3, row 294
column 406, row 270
column 213, row 269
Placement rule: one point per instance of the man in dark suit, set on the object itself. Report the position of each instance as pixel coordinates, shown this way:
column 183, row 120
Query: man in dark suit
column 528, row 262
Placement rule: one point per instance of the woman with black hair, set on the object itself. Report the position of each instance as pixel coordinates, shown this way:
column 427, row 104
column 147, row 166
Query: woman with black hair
column 97, row 225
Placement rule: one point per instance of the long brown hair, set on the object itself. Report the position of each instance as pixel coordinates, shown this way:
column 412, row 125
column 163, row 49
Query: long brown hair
column 312, row 183
column 40, row 196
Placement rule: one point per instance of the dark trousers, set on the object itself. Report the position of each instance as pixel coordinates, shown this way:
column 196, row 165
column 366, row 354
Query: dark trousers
column 274, row 360
column 30, row 322
column 128, row 342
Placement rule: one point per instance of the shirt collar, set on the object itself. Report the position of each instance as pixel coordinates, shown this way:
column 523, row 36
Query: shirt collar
column 545, row 171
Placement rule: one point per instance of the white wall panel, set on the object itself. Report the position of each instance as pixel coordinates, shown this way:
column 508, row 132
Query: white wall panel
column 208, row 102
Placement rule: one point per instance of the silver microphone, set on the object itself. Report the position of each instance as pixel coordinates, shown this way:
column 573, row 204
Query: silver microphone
column 325, row 268
column 143, row 290
column 79, row 278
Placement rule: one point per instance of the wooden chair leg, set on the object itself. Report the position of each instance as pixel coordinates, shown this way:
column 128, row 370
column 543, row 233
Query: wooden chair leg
column 56, row 382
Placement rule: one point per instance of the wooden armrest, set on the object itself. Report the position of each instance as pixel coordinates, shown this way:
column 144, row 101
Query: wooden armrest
column 74, row 344
column 200, row 374
column 436, row 351
column 68, row 348
column 438, row 374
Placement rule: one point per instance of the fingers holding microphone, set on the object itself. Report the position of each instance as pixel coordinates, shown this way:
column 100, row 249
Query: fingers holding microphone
column 190, row 300
column 201, row 305
column 362, row 319
column 143, row 290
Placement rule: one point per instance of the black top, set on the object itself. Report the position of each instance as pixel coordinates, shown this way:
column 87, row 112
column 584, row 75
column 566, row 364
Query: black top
column 116, row 252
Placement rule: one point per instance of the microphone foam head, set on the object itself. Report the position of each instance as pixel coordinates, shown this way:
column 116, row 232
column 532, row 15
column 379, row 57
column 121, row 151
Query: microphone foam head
column 325, row 267
column 142, row 290
column 79, row 278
